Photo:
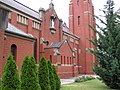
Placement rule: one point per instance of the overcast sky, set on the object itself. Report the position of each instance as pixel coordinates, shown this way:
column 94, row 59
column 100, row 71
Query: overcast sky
column 62, row 6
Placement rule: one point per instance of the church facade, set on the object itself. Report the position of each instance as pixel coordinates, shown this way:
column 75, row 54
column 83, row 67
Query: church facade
column 26, row 32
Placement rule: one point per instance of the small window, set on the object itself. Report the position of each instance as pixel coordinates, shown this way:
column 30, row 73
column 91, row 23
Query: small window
column 70, row 61
column 67, row 60
column 52, row 21
column 71, row 40
column 35, row 50
column 65, row 36
column 52, row 24
column 64, row 60
column 78, row 2
column 36, row 25
column 77, row 42
column 14, row 51
column 78, row 20
column 22, row 19
column 89, row 1
column 61, row 60
column 51, row 58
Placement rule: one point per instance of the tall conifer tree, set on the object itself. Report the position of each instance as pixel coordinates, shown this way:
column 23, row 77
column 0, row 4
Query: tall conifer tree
column 10, row 78
column 43, row 75
column 108, row 47
column 51, row 76
column 57, row 79
column 28, row 75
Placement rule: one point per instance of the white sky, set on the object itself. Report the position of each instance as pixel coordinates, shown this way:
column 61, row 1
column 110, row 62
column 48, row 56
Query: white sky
column 62, row 6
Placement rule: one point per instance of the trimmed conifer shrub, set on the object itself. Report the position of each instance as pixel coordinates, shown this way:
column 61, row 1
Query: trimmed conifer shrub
column 51, row 76
column 32, row 62
column 43, row 75
column 10, row 78
column 28, row 75
column 57, row 79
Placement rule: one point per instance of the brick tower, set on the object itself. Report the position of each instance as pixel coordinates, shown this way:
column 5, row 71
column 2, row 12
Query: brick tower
column 80, row 16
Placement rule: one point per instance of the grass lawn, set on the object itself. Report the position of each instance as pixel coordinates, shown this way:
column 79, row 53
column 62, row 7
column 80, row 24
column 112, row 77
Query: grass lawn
column 0, row 84
column 88, row 85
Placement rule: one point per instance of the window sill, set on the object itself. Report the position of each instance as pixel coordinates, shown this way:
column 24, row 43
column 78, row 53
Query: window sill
column 22, row 23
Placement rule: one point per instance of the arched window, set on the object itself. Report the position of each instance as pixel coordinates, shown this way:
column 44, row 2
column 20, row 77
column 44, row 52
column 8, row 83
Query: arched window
column 78, row 20
column 51, row 58
column 52, row 21
column 64, row 60
column 52, row 24
column 14, row 51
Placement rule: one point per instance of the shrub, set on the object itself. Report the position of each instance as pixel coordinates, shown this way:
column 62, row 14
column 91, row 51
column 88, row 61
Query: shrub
column 10, row 78
column 83, row 79
column 28, row 75
column 57, row 79
column 51, row 77
column 32, row 62
column 43, row 75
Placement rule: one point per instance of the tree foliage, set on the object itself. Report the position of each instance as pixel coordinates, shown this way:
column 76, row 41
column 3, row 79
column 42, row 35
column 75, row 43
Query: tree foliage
column 51, row 76
column 57, row 79
column 108, row 47
column 29, row 80
column 10, row 78
column 43, row 75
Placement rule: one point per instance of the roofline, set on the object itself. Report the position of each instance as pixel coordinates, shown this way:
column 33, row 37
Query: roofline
column 25, row 6
column 54, row 11
column 69, row 45
column 22, row 11
column 32, row 38
column 72, row 34
column 61, row 45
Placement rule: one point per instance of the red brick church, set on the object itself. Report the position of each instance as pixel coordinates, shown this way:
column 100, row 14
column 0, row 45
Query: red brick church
column 24, row 31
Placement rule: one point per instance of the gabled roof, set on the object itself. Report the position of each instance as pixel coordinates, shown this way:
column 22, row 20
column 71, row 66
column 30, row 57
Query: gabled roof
column 19, row 6
column 59, row 44
column 12, row 29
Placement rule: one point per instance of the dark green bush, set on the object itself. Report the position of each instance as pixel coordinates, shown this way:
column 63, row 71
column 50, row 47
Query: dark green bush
column 43, row 75
column 10, row 78
column 51, row 76
column 28, row 75
column 107, row 49
column 58, row 83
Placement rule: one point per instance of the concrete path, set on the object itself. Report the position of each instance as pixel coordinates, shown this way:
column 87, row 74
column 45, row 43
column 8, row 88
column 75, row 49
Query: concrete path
column 72, row 80
column 67, row 81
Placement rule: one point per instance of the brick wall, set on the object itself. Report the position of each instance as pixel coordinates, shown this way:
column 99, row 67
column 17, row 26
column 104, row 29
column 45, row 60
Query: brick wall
column 24, row 48
column 1, row 51
column 83, row 31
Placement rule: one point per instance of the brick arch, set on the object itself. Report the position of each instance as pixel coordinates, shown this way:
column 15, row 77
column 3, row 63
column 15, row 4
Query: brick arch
column 14, row 51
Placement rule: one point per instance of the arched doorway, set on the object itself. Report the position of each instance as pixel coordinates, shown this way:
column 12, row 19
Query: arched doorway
column 14, row 51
